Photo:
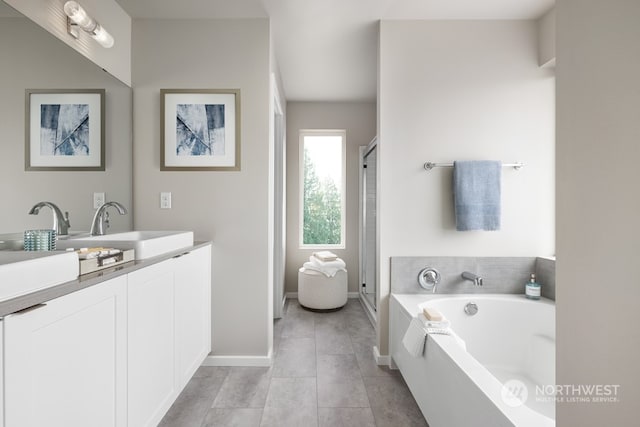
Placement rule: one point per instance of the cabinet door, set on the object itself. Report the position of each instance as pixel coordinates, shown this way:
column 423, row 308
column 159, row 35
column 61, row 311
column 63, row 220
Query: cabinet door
column 65, row 362
column 151, row 356
column 193, row 311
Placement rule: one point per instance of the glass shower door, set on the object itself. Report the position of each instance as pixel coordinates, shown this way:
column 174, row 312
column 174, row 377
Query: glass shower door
column 369, row 212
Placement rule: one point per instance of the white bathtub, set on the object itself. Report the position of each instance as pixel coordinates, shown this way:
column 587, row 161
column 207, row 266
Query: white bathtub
column 510, row 340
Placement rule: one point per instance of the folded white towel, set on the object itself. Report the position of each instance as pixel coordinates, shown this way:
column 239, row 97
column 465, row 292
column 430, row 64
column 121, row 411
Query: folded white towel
column 442, row 324
column 415, row 337
column 325, row 256
column 327, row 271
column 336, row 263
column 329, row 268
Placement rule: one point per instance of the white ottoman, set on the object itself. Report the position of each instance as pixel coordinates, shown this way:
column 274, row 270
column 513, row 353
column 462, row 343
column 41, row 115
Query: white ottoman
column 319, row 292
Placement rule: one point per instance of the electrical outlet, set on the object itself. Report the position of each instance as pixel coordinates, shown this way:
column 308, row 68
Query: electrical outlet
column 165, row 200
column 98, row 200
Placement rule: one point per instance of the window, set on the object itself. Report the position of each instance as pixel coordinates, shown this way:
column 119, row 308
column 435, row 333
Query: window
column 322, row 188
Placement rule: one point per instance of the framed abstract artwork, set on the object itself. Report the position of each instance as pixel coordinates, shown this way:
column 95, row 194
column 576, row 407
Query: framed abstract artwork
column 200, row 129
column 64, row 130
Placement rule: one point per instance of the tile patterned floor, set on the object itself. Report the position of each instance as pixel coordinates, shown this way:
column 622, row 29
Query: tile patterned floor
column 323, row 375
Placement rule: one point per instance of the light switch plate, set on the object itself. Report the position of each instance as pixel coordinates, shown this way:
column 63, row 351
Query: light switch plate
column 98, row 200
column 165, row 200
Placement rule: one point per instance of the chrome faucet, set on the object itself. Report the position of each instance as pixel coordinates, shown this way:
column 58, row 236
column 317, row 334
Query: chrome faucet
column 477, row 280
column 60, row 222
column 101, row 218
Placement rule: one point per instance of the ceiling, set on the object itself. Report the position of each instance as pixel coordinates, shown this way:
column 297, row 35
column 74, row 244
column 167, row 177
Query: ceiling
column 327, row 49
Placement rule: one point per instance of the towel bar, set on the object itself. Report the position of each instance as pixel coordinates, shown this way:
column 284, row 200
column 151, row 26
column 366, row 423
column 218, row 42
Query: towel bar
column 430, row 165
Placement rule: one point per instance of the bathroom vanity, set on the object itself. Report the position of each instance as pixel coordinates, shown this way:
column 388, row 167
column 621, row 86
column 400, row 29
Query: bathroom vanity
column 113, row 348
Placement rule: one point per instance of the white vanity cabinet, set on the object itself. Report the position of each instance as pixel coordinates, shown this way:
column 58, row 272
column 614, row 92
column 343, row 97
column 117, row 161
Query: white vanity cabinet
column 65, row 361
column 151, row 357
column 169, row 308
column 192, row 311
column 115, row 354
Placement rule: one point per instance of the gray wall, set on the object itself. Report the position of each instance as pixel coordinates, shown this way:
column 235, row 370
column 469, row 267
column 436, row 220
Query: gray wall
column 359, row 120
column 230, row 208
column 501, row 275
column 33, row 59
column 598, row 88
column 461, row 90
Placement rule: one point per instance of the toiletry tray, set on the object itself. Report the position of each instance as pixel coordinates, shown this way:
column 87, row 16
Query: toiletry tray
column 101, row 262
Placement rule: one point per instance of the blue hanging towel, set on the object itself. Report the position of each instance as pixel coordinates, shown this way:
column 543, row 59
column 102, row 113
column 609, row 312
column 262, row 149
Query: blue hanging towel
column 476, row 187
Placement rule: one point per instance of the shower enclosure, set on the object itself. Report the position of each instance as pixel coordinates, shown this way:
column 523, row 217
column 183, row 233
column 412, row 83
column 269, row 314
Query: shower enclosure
column 368, row 228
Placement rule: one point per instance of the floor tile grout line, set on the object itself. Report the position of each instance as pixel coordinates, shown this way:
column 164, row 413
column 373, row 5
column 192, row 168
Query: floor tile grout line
column 360, row 371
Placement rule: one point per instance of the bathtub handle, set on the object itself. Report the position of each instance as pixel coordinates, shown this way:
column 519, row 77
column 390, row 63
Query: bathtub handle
column 428, row 278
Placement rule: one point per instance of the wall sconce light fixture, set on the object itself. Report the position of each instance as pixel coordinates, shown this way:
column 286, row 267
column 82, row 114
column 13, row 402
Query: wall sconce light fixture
column 78, row 18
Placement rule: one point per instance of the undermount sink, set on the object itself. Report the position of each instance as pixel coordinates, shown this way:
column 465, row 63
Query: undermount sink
column 146, row 244
column 24, row 272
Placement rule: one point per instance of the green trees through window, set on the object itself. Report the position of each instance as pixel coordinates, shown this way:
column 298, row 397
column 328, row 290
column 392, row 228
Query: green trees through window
column 322, row 199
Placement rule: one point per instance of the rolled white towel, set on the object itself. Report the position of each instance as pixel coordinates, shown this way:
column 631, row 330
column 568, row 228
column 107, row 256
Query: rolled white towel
column 325, row 256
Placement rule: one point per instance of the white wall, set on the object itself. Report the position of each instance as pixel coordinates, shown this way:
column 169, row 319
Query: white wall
column 230, row 208
column 547, row 39
column 33, row 59
column 461, row 90
column 598, row 89
column 49, row 14
column 359, row 120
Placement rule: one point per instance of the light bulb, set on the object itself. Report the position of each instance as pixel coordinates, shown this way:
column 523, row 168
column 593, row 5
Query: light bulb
column 102, row 36
column 78, row 15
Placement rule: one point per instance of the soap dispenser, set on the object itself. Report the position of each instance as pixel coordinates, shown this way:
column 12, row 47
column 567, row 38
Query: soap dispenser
column 532, row 288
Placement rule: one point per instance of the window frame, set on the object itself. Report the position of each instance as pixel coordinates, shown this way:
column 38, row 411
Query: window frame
column 343, row 196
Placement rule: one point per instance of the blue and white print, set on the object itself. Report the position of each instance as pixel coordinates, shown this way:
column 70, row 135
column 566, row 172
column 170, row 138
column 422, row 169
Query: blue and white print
column 200, row 130
column 64, row 129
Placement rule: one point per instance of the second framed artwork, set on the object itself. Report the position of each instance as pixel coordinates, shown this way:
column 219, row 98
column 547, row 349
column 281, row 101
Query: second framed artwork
column 200, row 129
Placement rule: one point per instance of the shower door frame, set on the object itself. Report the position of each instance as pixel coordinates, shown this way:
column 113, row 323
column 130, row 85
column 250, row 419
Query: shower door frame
column 370, row 308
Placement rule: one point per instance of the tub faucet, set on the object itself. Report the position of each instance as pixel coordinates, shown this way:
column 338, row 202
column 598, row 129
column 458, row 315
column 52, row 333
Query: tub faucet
column 101, row 218
column 60, row 222
column 477, row 280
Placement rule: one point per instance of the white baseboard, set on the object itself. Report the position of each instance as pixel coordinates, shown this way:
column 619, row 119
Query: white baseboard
column 239, row 360
column 380, row 360
column 294, row 295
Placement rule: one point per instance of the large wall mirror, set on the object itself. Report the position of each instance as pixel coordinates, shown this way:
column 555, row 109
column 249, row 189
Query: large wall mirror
column 34, row 59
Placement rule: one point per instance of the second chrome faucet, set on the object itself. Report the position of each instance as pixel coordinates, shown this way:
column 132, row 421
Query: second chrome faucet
column 101, row 218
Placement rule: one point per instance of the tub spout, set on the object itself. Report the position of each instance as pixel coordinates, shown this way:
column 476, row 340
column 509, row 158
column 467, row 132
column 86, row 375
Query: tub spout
column 477, row 280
